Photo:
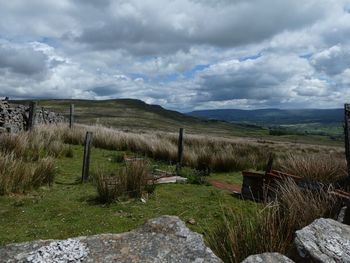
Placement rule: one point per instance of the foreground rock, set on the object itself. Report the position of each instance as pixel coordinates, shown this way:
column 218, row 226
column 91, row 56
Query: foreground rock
column 267, row 258
column 164, row 239
column 324, row 240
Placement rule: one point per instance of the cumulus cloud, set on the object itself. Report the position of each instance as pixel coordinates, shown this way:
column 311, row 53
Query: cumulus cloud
column 182, row 54
column 22, row 60
column 148, row 27
column 332, row 61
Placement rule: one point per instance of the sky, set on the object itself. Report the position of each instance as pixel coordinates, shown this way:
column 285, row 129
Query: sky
column 181, row 54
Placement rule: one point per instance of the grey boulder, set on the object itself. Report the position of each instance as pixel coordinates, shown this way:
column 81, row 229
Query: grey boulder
column 324, row 240
column 267, row 258
column 163, row 239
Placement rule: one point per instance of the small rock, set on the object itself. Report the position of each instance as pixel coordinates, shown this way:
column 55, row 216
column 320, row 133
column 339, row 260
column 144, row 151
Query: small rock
column 267, row 258
column 191, row 221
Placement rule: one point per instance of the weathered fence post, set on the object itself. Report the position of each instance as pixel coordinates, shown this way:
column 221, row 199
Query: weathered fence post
column 32, row 113
column 86, row 160
column 265, row 182
column 347, row 135
column 71, row 116
column 43, row 114
column 347, row 154
column 269, row 164
column 180, row 151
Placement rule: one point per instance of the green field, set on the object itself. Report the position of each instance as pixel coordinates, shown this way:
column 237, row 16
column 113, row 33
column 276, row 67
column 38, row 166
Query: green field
column 70, row 208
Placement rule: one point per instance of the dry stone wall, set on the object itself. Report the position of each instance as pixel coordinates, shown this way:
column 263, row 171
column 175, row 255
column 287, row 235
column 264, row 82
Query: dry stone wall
column 14, row 118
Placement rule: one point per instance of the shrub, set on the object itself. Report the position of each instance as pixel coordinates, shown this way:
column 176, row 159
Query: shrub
column 272, row 227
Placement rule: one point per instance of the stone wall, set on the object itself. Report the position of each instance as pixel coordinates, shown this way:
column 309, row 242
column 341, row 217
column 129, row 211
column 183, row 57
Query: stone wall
column 14, row 118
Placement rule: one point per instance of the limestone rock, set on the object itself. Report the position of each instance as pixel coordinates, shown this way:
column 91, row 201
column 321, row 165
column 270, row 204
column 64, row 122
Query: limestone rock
column 267, row 258
column 324, row 240
column 163, row 239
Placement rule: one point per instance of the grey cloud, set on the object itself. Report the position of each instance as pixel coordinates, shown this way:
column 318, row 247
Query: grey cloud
column 105, row 91
column 147, row 30
column 98, row 49
column 262, row 79
column 333, row 60
column 22, row 60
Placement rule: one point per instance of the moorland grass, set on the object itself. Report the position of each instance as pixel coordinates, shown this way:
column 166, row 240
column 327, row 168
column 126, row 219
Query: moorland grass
column 316, row 166
column 27, row 160
column 69, row 208
column 272, row 227
column 132, row 180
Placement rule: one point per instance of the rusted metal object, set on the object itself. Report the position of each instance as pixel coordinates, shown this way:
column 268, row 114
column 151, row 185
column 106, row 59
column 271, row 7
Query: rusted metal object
column 345, row 196
column 253, row 185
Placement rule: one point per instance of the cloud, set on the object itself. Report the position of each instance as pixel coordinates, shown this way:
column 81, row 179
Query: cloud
column 140, row 27
column 182, row 54
column 22, row 60
column 332, row 61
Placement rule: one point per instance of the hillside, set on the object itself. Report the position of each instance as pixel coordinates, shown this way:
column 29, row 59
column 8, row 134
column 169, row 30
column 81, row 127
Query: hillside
column 136, row 114
column 324, row 122
column 273, row 116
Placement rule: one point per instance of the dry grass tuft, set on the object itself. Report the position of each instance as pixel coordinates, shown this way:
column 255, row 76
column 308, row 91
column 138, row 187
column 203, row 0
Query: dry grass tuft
column 200, row 152
column 271, row 228
column 131, row 181
column 26, row 160
column 319, row 167
column 18, row 176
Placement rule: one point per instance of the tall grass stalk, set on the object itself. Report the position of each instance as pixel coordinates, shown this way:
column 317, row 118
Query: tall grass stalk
column 318, row 167
column 130, row 181
column 272, row 227
column 18, row 176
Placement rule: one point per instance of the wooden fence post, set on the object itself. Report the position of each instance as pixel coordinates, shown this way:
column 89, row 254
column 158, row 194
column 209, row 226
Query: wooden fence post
column 86, row 160
column 347, row 135
column 43, row 114
column 180, row 151
column 71, row 116
column 32, row 113
column 269, row 164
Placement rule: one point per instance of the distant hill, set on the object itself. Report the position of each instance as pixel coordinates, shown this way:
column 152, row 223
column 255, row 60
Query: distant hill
column 136, row 114
column 268, row 117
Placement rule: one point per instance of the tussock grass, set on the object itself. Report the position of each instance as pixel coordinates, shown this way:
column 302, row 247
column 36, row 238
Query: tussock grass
column 131, row 181
column 18, row 176
column 27, row 160
column 200, row 151
column 271, row 228
column 319, row 167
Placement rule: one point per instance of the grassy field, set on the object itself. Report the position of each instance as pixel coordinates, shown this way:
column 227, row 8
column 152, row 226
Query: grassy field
column 62, row 208
column 135, row 115
column 70, row 208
